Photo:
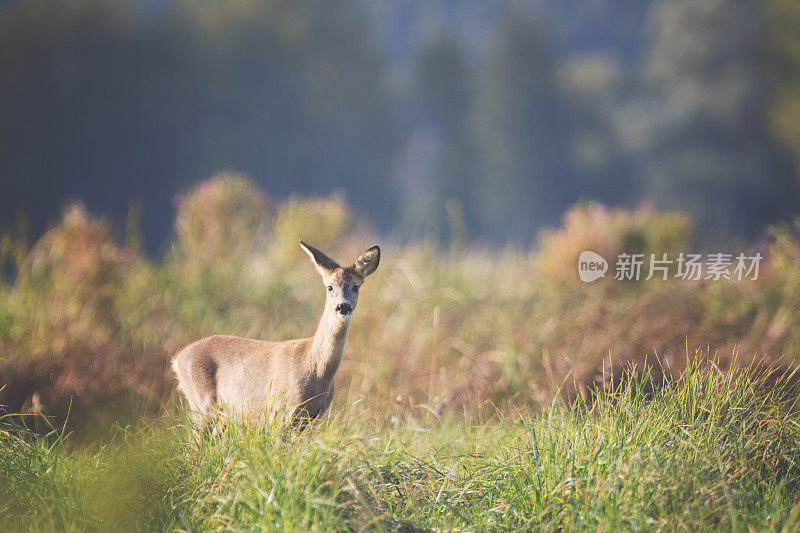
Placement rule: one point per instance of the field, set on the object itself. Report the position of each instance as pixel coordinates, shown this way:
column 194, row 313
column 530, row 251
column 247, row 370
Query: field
column 481, row 388
column 709, row 452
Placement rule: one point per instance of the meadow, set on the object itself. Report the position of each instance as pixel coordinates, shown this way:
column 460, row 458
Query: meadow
column 481, row 388
column 710, row 451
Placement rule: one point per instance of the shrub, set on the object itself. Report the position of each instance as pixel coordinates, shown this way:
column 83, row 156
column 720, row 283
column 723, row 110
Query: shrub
column 63, row 317
column 609, row 231
column 326, row 223
column 221, row 221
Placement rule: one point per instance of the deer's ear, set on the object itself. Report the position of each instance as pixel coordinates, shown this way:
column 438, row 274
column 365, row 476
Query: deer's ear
column 325, row 265
column 368, row 261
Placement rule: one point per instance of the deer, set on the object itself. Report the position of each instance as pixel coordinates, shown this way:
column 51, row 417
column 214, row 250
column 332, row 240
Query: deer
column 289, row 382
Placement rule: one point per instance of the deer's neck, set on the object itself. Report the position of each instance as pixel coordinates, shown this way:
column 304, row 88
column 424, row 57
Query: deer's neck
column 328, row 345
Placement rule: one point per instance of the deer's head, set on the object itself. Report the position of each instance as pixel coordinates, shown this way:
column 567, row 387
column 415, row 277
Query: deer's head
column 342, row 284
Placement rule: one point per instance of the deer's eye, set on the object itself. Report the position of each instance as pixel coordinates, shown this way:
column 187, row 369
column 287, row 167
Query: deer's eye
column 330, row 288
column 355, row 288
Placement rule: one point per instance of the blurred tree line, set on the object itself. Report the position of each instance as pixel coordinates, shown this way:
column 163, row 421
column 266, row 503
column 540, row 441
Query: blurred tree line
column 506, row 112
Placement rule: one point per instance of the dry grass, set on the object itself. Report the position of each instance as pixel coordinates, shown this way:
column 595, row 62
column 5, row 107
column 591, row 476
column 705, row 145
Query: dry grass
column 90, row 324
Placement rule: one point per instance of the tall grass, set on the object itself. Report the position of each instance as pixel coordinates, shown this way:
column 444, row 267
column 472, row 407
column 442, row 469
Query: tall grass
column 713, row 450
column 89, row 324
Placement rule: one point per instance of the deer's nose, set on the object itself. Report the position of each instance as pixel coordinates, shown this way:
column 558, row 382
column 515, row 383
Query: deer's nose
column 344, row 309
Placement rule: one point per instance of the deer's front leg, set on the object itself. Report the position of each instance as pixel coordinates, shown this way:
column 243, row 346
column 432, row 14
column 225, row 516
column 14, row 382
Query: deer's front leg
column 312, row 409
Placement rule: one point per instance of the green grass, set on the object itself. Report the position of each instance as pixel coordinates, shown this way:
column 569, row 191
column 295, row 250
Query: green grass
column 713, row 450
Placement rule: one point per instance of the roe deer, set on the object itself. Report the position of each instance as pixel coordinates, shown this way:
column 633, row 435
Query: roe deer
column 293, row 379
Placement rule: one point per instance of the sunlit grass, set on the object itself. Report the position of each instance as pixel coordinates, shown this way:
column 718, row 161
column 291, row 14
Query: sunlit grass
column 712, row 450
